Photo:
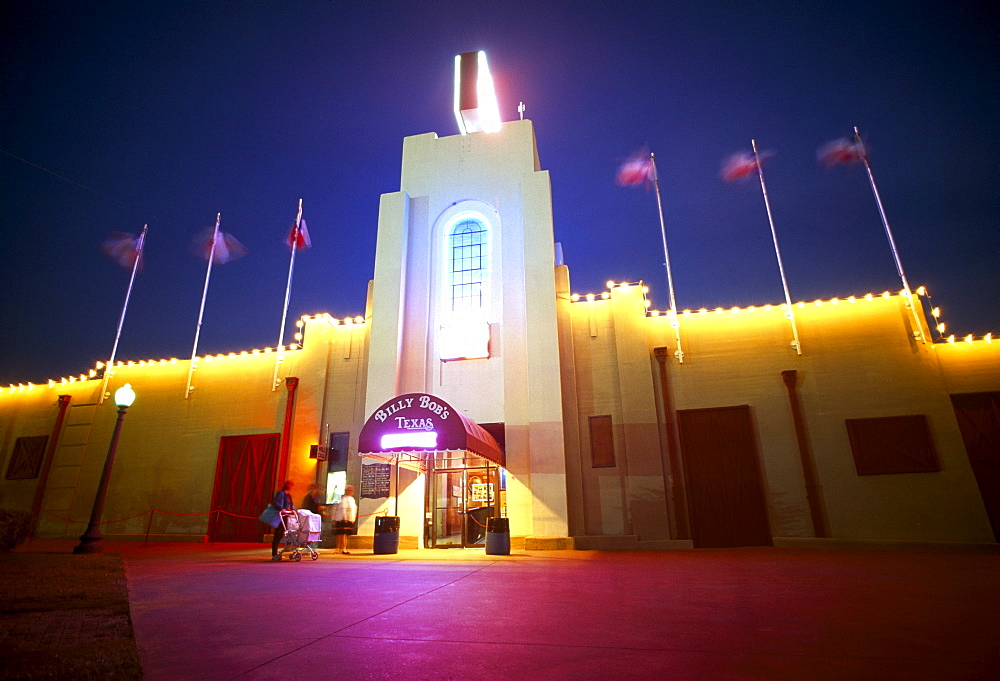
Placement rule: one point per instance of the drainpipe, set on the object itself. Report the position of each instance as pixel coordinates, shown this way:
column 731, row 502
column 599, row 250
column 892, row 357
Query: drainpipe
column 673, row 450
column 43, row 475
column 291, row 383
column 814, row 492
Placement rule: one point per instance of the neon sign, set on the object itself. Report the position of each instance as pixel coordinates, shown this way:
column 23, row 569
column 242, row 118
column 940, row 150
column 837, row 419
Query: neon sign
column 406, row 402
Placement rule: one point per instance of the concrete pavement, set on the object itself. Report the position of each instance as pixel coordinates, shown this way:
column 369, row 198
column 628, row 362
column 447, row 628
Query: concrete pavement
column 227, row 612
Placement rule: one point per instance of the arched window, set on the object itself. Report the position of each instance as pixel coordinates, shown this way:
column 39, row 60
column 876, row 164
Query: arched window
column 464, row 322
column 468, row 264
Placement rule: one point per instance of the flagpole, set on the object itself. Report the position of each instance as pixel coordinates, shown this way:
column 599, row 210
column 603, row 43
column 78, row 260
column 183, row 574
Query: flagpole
column 675, row 321
column 201, row 312
column 781, row 268
column 140, row 242
column 919, row 329
column 288, row 291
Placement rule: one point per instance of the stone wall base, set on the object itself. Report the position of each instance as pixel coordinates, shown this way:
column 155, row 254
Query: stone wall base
column 546, row 543
column 885, row 544
column 629, row 542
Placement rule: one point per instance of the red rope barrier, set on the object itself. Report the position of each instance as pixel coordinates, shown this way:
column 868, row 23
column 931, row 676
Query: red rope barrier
column 103, row 522
column 246, row 517
column 156, row 510
column 179, row 514
column 474, row 520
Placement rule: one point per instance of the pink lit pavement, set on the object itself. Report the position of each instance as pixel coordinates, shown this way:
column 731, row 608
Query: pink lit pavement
column 225, row 611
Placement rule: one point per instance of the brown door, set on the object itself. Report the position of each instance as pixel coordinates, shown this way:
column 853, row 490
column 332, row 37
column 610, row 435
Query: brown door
column 244, row 485
column 725, row 495
column 978, row 417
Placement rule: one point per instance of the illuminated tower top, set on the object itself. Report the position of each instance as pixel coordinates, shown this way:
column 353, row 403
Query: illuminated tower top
column 476, row 108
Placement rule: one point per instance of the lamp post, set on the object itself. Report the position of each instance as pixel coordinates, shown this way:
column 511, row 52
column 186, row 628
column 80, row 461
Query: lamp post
column 90, row 541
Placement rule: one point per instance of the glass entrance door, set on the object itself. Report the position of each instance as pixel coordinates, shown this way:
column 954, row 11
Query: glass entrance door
column 462, row 502
column 448, row 512
column 478, row 505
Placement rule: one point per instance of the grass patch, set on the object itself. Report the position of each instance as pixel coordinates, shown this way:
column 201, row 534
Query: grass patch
column 64, row 616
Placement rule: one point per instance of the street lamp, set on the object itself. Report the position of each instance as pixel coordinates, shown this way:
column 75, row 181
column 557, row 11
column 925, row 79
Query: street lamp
column 90, row 541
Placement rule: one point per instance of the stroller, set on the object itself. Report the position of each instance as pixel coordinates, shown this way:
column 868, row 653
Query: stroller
column 302, row 533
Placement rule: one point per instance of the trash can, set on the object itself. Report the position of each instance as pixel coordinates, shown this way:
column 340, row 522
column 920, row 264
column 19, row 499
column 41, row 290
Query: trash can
column 498, row 537
column 386, row 535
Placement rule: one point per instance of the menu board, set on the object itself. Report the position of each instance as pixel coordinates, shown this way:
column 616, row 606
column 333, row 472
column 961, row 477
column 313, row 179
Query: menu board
column 375, row 480
column 482, row 492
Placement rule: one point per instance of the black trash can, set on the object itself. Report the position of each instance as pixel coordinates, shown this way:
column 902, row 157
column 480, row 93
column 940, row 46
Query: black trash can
column 498, row 537
column 386, row 535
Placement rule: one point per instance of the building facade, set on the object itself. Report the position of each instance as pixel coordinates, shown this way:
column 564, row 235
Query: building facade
column 581, row 423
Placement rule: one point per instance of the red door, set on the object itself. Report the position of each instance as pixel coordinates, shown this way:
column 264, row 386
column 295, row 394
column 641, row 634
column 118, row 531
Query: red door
column 978, row 417
column 725, row 495
column 244, row 485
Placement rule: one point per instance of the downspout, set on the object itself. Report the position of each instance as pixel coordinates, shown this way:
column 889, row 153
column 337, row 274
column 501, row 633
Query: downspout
column 43, row 475
column 291, row 383
column 679, row 505
column 324, row 432
column 814, row 493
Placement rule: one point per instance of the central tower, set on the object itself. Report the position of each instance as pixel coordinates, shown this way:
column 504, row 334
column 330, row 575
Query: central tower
column 463, row 305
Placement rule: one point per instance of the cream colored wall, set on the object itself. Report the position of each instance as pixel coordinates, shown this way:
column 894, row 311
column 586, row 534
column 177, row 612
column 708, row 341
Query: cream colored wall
column 533, row 405
column 858, row 361
column 614, row 377
column 386, row 300
column 572, row 412
column 28, row 412
column 168, row 447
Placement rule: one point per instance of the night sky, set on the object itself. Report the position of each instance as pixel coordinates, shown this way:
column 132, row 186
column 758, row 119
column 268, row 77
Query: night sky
column 120, row 114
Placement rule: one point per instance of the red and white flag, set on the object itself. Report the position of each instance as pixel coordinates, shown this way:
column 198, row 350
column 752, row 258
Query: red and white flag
column 840, row 152
column 638, row 169
column 742, row 165
column 227, row 247
column 300, row 240
column 124, row 249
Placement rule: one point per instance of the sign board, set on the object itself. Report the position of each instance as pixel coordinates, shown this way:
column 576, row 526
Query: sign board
column 482, row 491
column 375, row 480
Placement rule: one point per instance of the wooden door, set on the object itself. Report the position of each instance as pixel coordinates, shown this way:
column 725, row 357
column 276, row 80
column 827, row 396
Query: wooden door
column 244, row 486
column 978, row 417
column 725, row 495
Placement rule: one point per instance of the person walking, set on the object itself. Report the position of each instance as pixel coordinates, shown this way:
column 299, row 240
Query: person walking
column 283, row 502
column 344, row 516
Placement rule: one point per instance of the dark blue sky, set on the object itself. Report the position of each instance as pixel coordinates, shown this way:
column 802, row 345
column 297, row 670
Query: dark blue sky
column 167, row 113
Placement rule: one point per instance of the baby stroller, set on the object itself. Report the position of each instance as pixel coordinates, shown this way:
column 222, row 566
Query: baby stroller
column 302, row 533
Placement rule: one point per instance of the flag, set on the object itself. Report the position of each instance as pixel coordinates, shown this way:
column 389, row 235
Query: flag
column 302, row 240
column 741, row 165
column 840, row 151
column 636, row 170
column 227, row 247
column 124, row 249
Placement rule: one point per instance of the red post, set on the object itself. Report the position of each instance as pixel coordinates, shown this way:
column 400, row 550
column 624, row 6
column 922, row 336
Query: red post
column 43, row 476
column 679, row 506
column 291, row 383
column 814, row 492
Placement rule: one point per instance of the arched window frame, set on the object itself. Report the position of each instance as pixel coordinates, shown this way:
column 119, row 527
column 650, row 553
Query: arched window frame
column 465, row 296
column 467, row 264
